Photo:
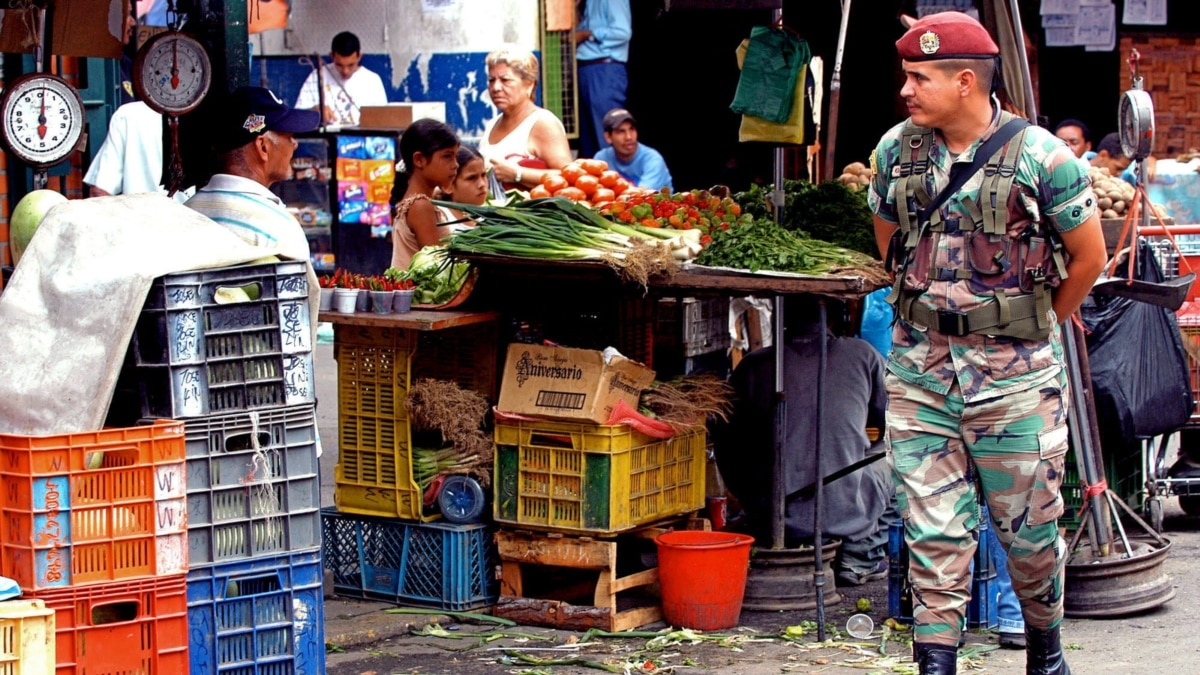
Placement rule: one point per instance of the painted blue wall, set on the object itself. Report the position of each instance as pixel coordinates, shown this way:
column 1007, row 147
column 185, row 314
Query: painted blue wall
column 460, row 80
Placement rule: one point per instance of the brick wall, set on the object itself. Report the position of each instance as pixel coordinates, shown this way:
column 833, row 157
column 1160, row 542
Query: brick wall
column 1170, row 69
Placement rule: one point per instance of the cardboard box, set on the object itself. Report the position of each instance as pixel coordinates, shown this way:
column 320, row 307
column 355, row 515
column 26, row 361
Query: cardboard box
column 400, row 115
column 568, row 384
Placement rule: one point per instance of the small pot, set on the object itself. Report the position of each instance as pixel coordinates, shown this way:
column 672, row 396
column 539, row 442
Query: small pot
column 345, row 300
column 364, row 302
column 326, row 299
column 402, row 301
column 381, row 301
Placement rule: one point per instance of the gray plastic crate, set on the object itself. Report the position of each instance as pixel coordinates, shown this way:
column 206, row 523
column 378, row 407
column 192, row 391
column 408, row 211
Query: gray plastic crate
column 195, row 355
column 699, row 325
column 245, row 502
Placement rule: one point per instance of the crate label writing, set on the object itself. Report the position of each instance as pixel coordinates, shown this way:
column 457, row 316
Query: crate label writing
column 189, row 385
column 171, row 517
column 181, row 295
column 185, row 339
column 294, row 325
column 292, row 286
column 298, row 378
column 169, row 481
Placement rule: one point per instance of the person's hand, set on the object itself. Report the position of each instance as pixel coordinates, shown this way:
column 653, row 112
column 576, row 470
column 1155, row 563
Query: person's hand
column 505, row 170
column 582, row 36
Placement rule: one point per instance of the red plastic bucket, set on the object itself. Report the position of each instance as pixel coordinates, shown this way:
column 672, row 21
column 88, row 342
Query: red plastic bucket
column 702, row 576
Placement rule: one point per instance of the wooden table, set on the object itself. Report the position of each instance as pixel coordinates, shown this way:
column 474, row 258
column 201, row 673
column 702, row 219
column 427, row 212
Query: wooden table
column 418, row 319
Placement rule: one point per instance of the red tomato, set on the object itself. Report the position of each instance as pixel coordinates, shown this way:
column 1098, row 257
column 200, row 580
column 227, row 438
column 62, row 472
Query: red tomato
column 588, row 184
column 604, row 194
column 609, row 178
column 572, row 193
column 572, row 172
column 554, row 182
column 621, row 186
column 540, row 191
column 594, row 166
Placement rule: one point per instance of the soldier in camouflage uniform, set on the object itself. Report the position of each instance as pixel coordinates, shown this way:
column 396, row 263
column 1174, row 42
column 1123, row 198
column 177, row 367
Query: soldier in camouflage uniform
column 976, row 382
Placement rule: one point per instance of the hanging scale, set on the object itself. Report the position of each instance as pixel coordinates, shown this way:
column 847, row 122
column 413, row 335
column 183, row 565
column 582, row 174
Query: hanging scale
column 172, row 74
column 1136, row 116
column 42, row 115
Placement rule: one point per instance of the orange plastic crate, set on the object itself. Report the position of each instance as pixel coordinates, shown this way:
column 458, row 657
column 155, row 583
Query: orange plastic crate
column 94, row 507
column 124, row 627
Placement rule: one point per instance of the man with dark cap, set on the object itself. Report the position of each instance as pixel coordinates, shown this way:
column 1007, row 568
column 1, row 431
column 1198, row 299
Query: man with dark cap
column 639, row 164
column 986, row 268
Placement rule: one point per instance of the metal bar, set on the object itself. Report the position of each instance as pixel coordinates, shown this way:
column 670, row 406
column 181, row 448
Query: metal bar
column 777, row 487
column 1019, row 35
column 1108, row 495
column 835, row 89
column 819, row 499
column 1099, row 536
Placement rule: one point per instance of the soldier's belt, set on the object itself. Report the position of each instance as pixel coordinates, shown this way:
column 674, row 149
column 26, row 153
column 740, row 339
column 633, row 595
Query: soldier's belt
column 1012, row 316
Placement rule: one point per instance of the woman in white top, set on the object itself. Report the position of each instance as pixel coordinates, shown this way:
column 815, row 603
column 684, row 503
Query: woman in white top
column 524, row 132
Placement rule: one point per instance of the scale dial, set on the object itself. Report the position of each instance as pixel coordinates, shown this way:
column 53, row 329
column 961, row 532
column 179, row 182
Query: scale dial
column 1136, row 123
column 42, row 119
column 172, row 73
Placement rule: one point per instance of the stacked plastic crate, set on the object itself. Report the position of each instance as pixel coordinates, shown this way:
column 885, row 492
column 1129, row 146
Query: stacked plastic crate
column 229, row 352
column 691, row 335
column 383, row 540
column 93, row 528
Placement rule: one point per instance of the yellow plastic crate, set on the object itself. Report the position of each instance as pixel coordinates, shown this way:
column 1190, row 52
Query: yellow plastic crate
column 587, row 478
column 373, row 476
column 26, row 638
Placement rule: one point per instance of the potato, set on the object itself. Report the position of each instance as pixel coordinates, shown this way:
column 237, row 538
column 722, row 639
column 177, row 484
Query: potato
column 847, row 178
column 1119, row 206
column 855, row 167
column 1109, row 213
column 1104, row 203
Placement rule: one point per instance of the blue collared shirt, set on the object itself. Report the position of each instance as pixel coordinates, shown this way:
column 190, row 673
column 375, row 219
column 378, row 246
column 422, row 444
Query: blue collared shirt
column 611, row 23
column 647, row 169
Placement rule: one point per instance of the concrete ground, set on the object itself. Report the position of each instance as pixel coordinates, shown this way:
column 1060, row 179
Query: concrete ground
column 362, row 639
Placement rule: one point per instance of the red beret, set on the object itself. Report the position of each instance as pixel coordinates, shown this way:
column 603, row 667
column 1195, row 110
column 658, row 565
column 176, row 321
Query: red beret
column 946, row 35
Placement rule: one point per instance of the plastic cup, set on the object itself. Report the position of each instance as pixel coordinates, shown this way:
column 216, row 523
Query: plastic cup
column 402, row 301
column 326, row 299
column 345, row 300
column 381, row 302
column 362, row 301
column 859, row 626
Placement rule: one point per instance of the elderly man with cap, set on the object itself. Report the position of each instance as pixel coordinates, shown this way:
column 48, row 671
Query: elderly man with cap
column 639, row 164
column 988, row 261
column 251, row 132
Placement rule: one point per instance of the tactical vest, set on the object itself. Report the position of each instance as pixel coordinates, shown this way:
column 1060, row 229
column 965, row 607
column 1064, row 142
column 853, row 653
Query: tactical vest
column 1008, row 252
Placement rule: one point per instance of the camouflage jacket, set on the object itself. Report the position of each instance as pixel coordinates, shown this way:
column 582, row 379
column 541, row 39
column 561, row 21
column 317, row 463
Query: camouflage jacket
column 1054, row 187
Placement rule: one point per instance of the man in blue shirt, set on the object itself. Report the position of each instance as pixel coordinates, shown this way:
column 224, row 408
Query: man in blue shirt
column 601, row 51
column 639, row 164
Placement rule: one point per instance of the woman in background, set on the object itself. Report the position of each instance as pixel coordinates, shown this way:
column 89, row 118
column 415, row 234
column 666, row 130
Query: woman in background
column 525, row 141
column 429, row 149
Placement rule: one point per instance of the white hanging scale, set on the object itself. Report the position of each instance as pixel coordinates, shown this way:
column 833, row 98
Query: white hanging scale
column 172, row 74
column 43, row 118
column 1136, row 117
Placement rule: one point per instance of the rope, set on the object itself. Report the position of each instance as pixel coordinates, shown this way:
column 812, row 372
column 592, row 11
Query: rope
column 1095, row 490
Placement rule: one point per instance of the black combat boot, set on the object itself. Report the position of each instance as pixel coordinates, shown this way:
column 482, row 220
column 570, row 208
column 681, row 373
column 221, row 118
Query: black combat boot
column 1043, row 652
column 935, row 659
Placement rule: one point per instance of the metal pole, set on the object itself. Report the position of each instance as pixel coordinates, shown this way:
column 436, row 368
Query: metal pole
column 835, row 88
column 778, row 489
column 1023, row 61
column 1081, row 431
column 819, row 498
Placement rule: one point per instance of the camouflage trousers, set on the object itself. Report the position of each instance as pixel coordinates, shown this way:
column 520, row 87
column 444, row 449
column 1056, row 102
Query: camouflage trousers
column 942, row 451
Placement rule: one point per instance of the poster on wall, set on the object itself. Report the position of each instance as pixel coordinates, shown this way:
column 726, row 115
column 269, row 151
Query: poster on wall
column 1145, row 12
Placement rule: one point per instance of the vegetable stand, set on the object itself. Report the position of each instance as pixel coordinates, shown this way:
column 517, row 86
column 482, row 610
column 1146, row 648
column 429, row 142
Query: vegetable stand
column 379, row 357
column 518, row 277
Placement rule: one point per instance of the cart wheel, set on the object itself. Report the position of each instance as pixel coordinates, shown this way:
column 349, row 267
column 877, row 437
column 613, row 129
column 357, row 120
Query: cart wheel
column 1154, row 513
column 1190, row 504
column 461, row 499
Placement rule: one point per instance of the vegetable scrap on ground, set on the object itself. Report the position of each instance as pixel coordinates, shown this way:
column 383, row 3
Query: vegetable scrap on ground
column 671, row 650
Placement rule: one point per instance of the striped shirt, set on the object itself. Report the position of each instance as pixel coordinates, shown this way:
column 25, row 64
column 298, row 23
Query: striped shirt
column 252, row 212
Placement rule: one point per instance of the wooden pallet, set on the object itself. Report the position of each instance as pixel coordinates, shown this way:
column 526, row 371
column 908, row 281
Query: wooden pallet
column 523, row 551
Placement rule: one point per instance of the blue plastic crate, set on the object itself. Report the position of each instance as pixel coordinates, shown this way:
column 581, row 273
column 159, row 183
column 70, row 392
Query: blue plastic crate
column 438, row 565
column 264, row 616
column 985, row 593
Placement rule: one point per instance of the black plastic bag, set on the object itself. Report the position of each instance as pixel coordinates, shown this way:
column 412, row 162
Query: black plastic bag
column 1138, row 363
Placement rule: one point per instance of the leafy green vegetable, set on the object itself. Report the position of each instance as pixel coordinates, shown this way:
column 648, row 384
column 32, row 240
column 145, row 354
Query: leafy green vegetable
column 827, row 211
column 437, row 280
column 765, row 245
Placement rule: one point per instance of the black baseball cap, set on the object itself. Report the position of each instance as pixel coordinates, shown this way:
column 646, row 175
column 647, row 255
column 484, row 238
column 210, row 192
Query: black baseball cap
column 249, row 112
column 617, row 116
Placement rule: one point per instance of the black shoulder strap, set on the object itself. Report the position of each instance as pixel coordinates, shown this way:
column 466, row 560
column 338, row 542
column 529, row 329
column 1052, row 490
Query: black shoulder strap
column 960, row 174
